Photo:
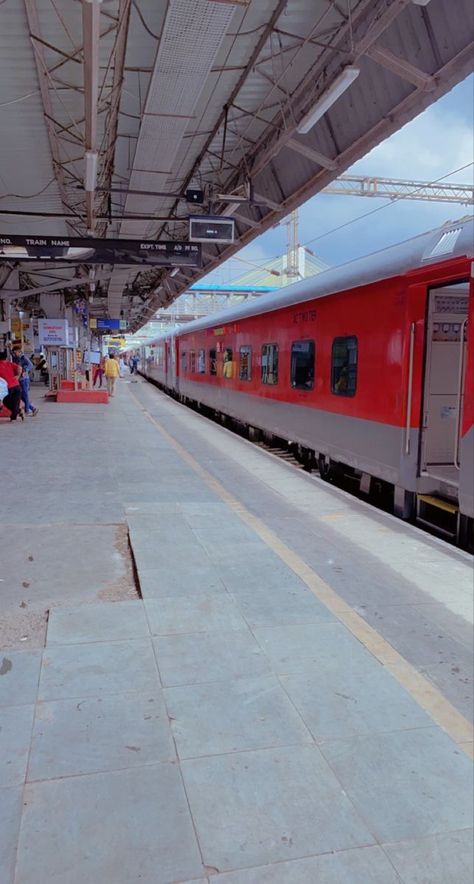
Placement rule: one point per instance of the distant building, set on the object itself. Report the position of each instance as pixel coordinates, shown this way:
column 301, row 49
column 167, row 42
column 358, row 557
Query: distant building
column 307, row 265
column 209, row 296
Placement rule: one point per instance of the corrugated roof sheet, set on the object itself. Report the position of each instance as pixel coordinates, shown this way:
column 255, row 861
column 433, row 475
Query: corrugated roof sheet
column 267, row 63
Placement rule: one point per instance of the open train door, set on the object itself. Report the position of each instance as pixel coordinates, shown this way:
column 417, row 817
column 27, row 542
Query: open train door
column 465, row 448
column 444, row 389
column 167, row 362
column 174, row 363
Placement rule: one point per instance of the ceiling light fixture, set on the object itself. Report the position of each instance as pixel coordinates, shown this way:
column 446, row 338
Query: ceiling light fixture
column 328, row 98
column 91, row 170
column 175, row 271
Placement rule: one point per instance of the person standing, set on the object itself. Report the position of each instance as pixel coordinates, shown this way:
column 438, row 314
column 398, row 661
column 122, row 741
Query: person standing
column 42, row 367
column 19, row 358
column 10, row 372
column 112, row 372
column 98, row 372
column 3, row 393
column 122, row 366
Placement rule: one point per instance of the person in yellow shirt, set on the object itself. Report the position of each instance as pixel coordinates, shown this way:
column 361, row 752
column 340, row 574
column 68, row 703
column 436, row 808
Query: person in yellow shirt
column 227, row 364
column 112, row 372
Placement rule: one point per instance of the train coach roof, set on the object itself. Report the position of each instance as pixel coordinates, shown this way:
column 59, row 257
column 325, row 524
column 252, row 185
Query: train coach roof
column 449, row 241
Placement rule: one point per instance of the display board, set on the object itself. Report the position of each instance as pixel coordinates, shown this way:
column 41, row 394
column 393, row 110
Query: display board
column 100, row 251
column 92, row 357
column 211, row 228
column 104, row 324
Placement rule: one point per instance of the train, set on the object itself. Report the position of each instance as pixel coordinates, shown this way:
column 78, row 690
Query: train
column 367, row 368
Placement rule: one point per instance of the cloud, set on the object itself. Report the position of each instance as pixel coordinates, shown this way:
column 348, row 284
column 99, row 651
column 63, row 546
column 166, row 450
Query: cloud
column 438, row 141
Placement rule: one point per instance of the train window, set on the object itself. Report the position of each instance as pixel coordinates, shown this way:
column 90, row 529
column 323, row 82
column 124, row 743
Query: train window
column 344, row 366
column 227, row 364
column 183, row 361
column 302, row 365
column 270, row 364
column 192, row 361
column 202, row 362
column 245, row 363
column 212, row 362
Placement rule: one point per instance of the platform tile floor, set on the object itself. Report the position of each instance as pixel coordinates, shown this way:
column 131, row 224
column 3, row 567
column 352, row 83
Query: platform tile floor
column 224, row 729
column 184, row 738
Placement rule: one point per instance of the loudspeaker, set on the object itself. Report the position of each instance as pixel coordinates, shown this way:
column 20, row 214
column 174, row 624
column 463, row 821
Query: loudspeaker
column 195, row 196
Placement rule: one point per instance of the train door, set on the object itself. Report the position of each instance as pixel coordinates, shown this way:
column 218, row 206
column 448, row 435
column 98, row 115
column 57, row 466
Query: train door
column 444, row 382
column 466, row 421
column 174, row 362
column 166, row 366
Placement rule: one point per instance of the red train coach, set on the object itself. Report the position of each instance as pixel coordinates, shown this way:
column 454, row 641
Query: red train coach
column 369, row 365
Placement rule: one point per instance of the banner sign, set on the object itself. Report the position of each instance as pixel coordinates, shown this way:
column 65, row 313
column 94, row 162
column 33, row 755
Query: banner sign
column 53, row 332
column 100, row 251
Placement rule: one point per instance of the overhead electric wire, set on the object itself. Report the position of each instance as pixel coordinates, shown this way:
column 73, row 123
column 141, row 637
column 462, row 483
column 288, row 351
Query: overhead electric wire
column 391, row 202
column 385, row 206
column 140, row 16
column 21, row 97
column 27, row 196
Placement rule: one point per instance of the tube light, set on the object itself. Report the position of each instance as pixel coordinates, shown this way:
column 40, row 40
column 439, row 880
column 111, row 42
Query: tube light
column 328, row 98
column 91, row 170
column 420, row 2
column 175, row 271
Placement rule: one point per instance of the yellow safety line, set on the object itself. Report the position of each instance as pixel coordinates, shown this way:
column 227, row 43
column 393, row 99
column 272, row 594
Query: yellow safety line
column 425, row 694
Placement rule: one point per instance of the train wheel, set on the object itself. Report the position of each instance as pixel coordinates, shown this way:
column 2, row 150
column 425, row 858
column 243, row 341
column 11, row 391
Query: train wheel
column 324, row 467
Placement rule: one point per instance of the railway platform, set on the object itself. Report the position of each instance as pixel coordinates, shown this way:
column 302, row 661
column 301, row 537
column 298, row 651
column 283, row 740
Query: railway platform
column 216, row 668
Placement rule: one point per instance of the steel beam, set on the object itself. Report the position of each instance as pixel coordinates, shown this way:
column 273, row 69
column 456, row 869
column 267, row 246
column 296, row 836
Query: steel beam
column 310, row 154
column 34, row 28
column 383, row 20
column 90, row 34
column 401, row 68
column 111, row 126
column 55, row 286
column 393, row 188
column 279, row 9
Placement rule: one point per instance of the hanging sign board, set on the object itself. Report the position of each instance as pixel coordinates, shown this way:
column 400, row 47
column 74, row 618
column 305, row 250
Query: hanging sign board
column 17, row 329
column 104, row 325
column 100, row 251
column 92, row 357
column 112, row 341
column 211, row 228
column 53, row 332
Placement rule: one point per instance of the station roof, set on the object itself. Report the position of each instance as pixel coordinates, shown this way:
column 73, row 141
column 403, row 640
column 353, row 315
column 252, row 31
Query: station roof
column 167, row 95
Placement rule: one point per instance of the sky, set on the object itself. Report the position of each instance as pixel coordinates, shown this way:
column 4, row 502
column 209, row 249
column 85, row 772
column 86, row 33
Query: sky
column 438, row 141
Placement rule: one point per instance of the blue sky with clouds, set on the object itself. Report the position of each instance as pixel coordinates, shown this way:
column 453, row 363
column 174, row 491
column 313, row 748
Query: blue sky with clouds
column 438, row 141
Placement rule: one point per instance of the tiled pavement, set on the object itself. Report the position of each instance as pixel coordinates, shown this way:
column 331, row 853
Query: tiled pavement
column 226, row 728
